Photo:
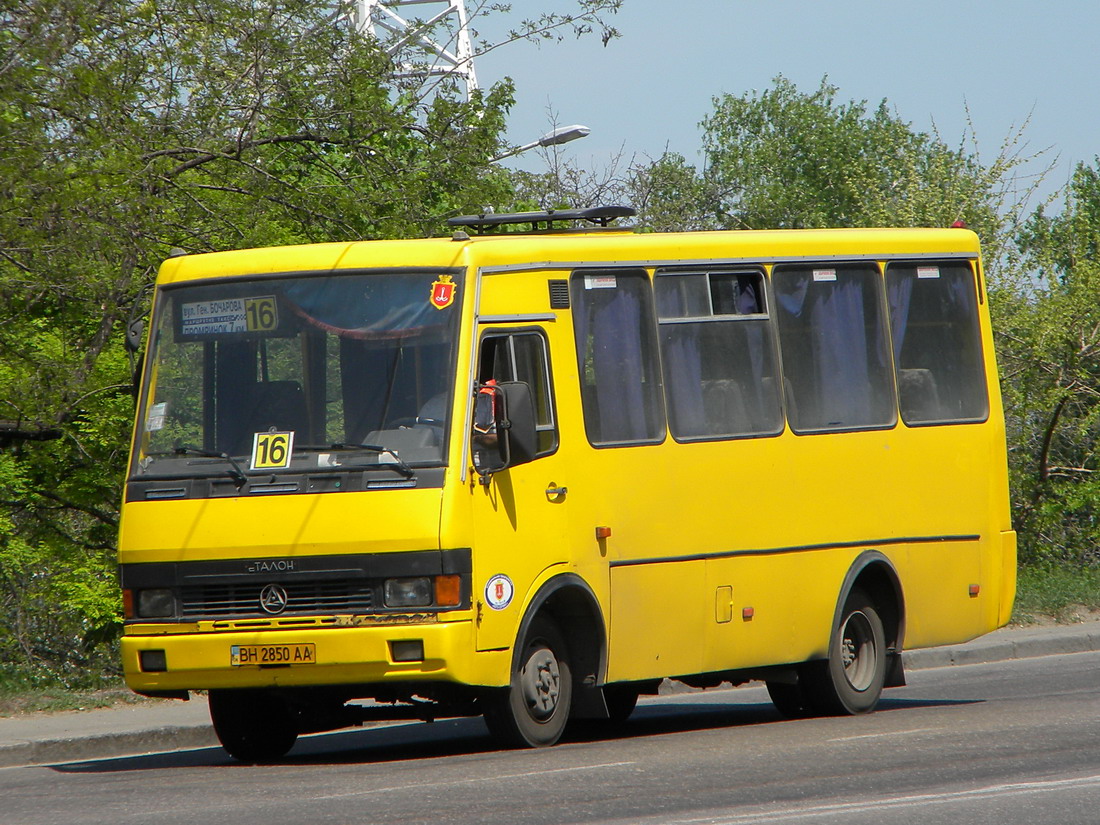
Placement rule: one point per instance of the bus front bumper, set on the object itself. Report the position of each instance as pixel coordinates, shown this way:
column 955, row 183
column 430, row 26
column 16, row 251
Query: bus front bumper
column 158, row 660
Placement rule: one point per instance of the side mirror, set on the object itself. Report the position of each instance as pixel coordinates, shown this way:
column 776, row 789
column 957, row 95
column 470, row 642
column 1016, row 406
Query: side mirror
column 134, row 329
column 504, row 427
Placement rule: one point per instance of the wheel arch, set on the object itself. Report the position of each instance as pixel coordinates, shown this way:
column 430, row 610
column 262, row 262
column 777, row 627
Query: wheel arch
column 874, row 573
column 572, row 605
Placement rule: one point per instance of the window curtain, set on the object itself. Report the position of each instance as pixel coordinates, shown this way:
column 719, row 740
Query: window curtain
column 682, row 357
column 845, row 382
column 611, row 344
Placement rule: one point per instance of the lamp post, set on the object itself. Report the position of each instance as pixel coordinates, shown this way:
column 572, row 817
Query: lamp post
column 563, row 134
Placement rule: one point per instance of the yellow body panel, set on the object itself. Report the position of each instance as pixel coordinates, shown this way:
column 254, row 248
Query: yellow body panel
column 300, row 525
column 722, row 555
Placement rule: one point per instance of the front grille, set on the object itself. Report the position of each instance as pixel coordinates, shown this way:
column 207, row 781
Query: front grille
column 221, row 600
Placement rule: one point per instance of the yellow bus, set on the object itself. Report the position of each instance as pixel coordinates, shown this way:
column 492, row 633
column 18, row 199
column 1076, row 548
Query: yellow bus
column 528, row 473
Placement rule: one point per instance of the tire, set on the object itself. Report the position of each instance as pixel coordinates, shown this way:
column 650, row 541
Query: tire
column 533, row 711
column 254, row 726
column 789, row 699
column 850, row 681
column 620, row 701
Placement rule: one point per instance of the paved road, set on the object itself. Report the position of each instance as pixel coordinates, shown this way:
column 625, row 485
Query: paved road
column 173, row 725
column 1007, row 742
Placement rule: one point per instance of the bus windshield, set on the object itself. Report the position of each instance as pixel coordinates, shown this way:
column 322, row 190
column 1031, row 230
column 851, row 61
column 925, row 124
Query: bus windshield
column 302, row 373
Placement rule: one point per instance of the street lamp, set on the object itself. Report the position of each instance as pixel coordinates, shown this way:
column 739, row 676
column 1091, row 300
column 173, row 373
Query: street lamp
column 563, row 134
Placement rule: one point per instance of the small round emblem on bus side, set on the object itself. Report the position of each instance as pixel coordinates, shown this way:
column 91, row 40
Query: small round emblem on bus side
column 499, row 591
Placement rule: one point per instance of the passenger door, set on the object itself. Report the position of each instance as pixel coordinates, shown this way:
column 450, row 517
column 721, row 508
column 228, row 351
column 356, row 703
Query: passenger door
column 519, row 513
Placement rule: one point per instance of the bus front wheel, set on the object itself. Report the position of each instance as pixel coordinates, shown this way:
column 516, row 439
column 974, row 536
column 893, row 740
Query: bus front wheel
column 621, row 701
column 850, row 681
column 253, row 725
column 789, row 699
column 532, row 712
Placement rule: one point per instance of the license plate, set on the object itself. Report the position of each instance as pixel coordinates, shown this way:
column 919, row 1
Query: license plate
column 303, row 654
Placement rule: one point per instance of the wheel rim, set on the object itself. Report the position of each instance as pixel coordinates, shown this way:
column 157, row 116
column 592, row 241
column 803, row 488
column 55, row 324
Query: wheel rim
column 540, row 681
column 857, row 651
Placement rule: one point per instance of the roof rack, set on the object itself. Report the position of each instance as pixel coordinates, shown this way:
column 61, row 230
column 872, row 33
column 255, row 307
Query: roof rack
column 541, row 221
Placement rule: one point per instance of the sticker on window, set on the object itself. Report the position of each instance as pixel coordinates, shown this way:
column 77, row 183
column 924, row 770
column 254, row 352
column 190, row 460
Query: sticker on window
column 600, row 282
column 928, row 272
column 229, row 316
column 271, row 450
column 824, row 274
column 155, row 419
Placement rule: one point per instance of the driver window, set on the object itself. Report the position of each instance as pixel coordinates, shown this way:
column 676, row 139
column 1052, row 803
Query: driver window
column 522, row 356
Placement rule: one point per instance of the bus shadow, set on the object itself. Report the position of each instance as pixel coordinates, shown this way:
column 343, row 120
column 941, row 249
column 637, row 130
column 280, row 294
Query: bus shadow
column 407, row 742
column 912, row 704
column 657, row 719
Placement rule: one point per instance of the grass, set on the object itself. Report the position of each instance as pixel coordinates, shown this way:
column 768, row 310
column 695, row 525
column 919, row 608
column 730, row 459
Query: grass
column 1057, row 594
column 20, row 693
column 1045, row 595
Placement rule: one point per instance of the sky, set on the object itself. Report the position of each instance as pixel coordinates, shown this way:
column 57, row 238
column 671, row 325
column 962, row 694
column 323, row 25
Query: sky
column 1004, row 66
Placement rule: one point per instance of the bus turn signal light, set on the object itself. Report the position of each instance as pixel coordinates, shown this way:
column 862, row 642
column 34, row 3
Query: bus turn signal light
column 448, row 591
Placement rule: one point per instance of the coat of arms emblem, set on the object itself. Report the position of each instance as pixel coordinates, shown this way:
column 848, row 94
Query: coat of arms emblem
column 443, row 292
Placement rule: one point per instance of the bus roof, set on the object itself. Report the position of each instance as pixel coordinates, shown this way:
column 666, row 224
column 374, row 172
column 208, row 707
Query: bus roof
column 565, row 250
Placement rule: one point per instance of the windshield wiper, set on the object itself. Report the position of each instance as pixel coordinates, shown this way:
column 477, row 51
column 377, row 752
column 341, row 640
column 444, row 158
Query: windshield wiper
column 398, row 464
column 234, row 469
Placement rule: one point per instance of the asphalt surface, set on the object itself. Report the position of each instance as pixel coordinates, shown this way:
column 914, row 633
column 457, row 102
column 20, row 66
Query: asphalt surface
column 169, row 725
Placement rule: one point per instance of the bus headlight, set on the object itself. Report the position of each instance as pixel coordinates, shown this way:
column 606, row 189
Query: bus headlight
column 413, row 592
column 156, row 604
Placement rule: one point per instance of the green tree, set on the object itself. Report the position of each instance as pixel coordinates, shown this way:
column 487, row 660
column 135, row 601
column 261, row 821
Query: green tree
column 134, row 126
column 787, row 158
column 1049, row 345
column 670, row 195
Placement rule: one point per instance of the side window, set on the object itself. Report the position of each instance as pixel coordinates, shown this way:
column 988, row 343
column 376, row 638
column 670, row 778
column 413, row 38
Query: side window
column 617, row 357
column 937, row 342
column 522, row 356
column 832, row 340
column 717, row 354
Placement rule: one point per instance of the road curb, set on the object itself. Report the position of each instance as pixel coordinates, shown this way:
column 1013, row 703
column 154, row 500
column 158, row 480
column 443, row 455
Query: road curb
column 1020, row 644
column 106, row 746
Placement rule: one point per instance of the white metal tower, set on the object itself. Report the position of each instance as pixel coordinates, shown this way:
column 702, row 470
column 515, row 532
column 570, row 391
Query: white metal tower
column 453, row 56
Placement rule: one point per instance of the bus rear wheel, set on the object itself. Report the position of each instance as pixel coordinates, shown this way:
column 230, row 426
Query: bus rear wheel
column 533, row 711
column 850, row 681
column 254, row 726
